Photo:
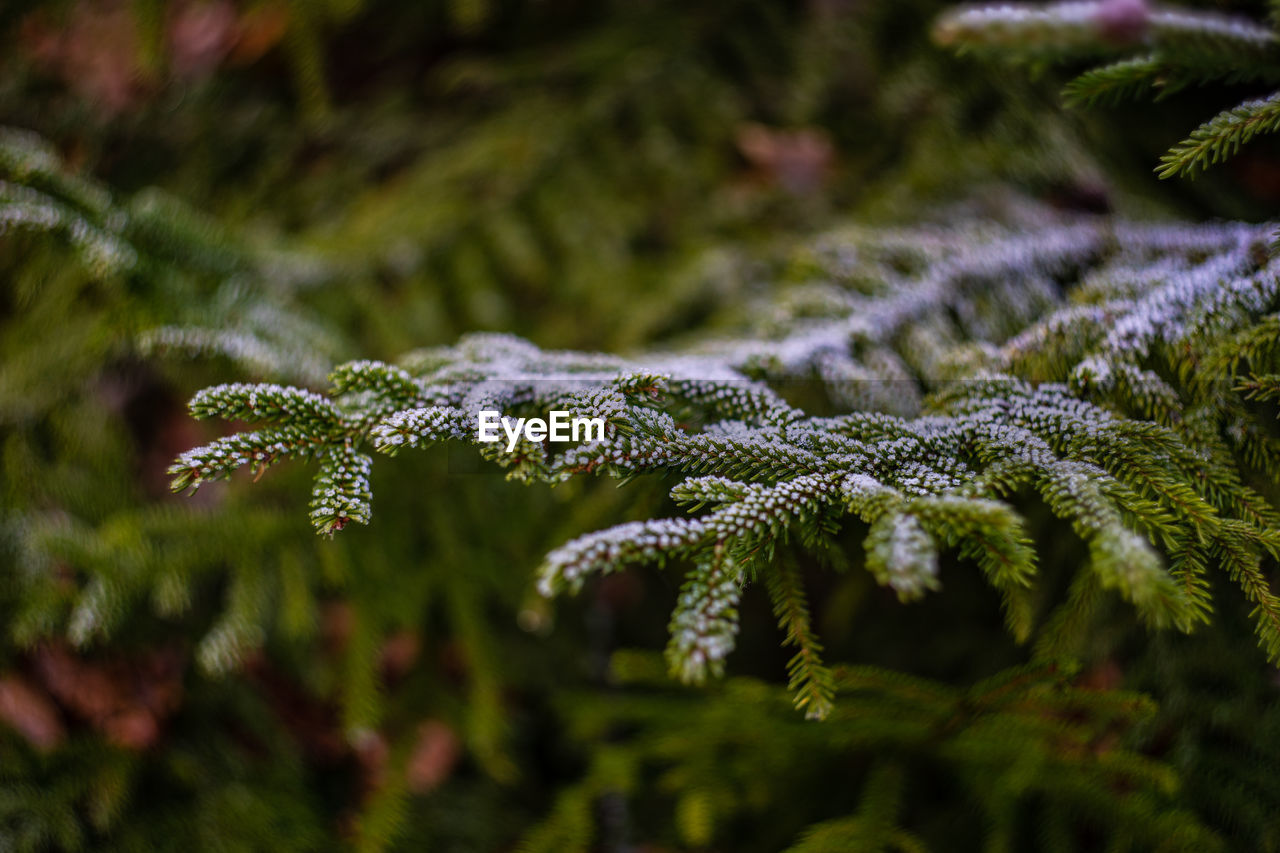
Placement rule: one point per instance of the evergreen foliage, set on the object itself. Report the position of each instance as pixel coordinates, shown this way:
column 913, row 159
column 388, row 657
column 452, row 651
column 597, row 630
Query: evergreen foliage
column 1176, row 48
column 1028, row 754
column 1101, row 404
column 127, row 615
column 835, row 461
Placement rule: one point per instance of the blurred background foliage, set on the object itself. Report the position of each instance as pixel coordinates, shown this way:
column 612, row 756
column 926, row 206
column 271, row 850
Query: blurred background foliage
column 272, row 186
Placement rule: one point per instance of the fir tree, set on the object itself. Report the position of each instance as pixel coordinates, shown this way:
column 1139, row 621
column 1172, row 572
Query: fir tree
column 884, row 440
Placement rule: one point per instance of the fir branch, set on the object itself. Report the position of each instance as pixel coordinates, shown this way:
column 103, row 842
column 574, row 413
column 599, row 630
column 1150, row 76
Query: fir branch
column 705, row 620
column 241, row 628
column 901, row 555
column 1179, row 47
column 1244, row 568
column 1117, row 432
column 1113, row 84
column 1166, row 73
column 1209, row 37
column 270, row 403
column 1026, row 31
column 810, row 680
column 1221, row 137
column 1060, row 30
column 1261, row 387
column 341, row 493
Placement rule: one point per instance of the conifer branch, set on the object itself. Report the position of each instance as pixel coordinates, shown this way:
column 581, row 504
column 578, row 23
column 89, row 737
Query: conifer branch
column 704, row 623
column 1113, row 84
column 1116, row 433
column 810, row 680
column 1058, row 30
column 1221, row 137
column 1179, row 48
